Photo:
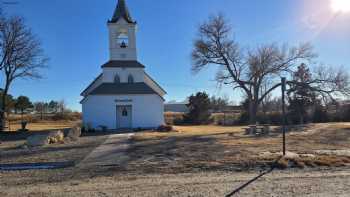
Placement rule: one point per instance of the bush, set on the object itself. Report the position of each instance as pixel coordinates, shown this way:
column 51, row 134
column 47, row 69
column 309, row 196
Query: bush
column 66, row 116
column 274, row 118
column 227, row 119
column 103, row 128
column 87, row 128
column 320, row 115
column 165, row 128
column 174, row 118
column 243, row 118
column 140, row 129
column 199, row 106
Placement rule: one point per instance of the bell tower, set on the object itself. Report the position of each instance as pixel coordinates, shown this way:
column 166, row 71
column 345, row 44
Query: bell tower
column 122, row 34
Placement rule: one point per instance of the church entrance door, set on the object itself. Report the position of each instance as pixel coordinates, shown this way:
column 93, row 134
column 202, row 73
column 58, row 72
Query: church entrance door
column 124, row 117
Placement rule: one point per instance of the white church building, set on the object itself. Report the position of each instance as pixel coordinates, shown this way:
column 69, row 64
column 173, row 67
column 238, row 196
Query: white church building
column 123, row 95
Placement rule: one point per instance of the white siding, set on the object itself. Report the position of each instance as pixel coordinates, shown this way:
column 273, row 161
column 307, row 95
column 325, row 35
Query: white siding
column 147, row 110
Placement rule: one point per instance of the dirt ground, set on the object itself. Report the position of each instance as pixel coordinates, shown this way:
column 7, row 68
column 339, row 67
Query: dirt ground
column 195, row 148
column 335, row 183
column 194, row 161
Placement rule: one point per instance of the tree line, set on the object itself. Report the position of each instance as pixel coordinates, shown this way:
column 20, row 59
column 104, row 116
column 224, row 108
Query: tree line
column 23, row 105
column 256, row 72
column 302, row 107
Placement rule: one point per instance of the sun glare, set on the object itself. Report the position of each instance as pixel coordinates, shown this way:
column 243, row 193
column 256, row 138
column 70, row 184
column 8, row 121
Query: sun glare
column 340, row 5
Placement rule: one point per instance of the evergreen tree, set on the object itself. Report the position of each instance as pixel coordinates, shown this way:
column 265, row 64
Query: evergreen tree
column 23, row 103
column 199, row 106
column 300, row 95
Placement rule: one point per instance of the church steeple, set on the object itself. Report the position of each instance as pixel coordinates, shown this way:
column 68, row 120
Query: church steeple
column 122, row 34
column 122, row 11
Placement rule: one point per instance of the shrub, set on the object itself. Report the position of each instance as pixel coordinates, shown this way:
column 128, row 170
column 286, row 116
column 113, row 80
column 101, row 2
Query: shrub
column 103, row 128
column 165, row 128
column 174, row 118
column 320, row 115
column 66, row 116
column 178, row 121
column 199, row 106
column 225, row 119
column 243, row 118
column 139, row 129
column 275, row 118
column 87, row 128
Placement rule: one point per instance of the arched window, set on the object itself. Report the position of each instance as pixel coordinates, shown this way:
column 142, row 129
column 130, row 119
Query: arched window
column 125, row 112
column 130, row 79
column 116, row 79
column 123, row 40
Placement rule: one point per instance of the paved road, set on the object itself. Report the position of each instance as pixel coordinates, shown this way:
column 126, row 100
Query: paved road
column 111, row 152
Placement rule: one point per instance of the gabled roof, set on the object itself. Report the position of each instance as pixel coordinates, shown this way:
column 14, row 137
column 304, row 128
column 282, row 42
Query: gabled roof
column 121, row 11
column 123, row 64
column 154, row 81
column 92, row 83
column 122, row 88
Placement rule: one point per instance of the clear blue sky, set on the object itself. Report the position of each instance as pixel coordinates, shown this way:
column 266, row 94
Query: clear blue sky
column 75, row 38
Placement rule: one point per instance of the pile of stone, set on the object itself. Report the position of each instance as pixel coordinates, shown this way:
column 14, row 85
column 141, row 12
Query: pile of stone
column 74, row 133
column 53, row 137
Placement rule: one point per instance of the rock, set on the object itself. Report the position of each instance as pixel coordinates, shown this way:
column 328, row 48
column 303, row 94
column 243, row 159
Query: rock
column 74, row 133
column 307, row 155
column 289, row 155
column 56, row 137
column 45, row 139
column 37, row 140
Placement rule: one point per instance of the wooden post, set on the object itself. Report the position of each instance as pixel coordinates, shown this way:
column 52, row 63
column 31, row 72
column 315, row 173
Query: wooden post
column 283, row 79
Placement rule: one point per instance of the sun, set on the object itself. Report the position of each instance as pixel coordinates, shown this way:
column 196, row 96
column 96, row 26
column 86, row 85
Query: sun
column 340, row 5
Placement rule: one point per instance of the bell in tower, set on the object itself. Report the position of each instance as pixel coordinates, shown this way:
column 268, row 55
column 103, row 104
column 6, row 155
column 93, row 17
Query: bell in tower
column 122, row 34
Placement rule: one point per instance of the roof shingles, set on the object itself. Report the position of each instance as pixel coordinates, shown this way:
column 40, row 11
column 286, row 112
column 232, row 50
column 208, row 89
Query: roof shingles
column 123, row 64
column 123, row 88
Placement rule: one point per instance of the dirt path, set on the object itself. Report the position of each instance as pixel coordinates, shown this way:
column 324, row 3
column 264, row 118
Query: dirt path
column 278, row 183
column 111, row 152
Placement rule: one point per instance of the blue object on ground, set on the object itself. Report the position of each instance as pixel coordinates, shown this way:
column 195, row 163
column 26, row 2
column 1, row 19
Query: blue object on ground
column 35, row 166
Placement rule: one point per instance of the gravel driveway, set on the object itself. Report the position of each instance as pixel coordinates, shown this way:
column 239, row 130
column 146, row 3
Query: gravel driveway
column 278, row 183
column 111, row 152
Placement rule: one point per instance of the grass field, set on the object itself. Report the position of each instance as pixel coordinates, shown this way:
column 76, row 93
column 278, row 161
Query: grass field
column 203, row 147
column 43, row 125
column 227, row 148
column 195, row 150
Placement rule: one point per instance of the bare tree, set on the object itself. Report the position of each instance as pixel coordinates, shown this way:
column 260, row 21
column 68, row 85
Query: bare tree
column 39, row 107
column 21, row 55
column 255, row 72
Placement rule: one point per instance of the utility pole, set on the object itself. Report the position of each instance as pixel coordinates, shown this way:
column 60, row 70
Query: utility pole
column 283, row 79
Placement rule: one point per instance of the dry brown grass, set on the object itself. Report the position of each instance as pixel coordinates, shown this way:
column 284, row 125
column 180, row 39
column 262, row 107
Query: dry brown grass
column 44, row 125
column 188, row 131
column 172, row 118
column 321, row 160
column 217, row 147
